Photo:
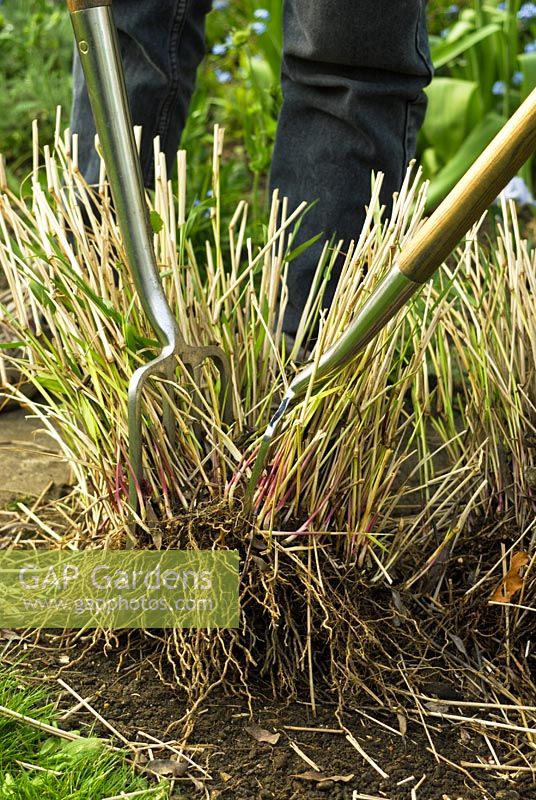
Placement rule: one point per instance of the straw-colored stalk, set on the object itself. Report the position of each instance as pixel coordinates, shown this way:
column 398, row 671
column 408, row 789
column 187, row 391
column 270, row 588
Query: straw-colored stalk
column 337, row 465
column 431, row 427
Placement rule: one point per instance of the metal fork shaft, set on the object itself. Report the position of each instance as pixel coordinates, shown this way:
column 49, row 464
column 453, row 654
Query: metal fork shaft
column 97, row 42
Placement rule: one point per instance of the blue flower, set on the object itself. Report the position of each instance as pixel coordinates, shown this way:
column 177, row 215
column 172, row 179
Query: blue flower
column 219, row 5
column 444, row 33
column 527, row 11
column 262, row 13
column 518, row 191
column 498, row 88
column 530, row 47
column 517, row 78
column 502, row 6
column 453, row 10
column 219, row 49
column 223, row 76
column 259, row 28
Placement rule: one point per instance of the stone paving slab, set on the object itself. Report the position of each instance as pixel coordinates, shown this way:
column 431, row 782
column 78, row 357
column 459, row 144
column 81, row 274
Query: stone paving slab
column 29, row 458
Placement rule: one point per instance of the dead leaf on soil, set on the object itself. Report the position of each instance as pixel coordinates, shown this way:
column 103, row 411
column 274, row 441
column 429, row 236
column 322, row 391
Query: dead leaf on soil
column 261, row 563
column 9, row 635
column 167, row 768
column 156, row 536
column 459, row 644
column 465, row 735
column 402, row 723
column 320, row 777
column 512, row 582
column 262, row 735
column 437, row 708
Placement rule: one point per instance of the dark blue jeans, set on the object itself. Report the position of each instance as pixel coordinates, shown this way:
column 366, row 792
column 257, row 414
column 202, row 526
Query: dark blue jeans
column 352, row 78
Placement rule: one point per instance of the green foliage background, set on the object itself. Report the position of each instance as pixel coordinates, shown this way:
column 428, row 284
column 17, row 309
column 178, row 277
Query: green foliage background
column 483, row 52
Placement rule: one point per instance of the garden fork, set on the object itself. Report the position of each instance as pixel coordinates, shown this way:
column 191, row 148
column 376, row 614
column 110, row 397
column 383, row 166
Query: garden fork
column 98, row 45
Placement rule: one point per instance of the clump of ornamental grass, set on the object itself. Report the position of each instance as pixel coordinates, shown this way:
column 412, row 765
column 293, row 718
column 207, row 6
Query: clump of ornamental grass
column 72, row 295
column 475, row 389
column 413, row 467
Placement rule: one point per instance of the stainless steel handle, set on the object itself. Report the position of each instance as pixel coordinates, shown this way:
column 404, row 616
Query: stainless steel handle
column 98, row 45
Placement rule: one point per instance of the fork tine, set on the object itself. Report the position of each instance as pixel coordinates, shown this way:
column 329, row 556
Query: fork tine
column 224, row 369
column 165, row 364
column 159, row 365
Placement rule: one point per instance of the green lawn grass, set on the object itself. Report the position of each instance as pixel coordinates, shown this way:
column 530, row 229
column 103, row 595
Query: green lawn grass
column 36, row 764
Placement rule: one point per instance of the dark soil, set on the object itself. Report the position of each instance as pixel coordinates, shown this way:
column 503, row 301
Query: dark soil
column 395, row 657
column 124, row 687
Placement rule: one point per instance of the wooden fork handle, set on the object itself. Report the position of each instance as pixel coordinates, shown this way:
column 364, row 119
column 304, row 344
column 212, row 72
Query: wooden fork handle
column 475, row 192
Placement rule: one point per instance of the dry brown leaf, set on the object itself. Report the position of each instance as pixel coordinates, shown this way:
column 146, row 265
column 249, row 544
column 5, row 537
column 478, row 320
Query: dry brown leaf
column 459, row 644
column 321, row 777
column 261, row 563
column 465, row 735
column 156, row 536
column 10, row 635
column 262, row 735
column 167, row 767
column 402, row 723
column 512, row 582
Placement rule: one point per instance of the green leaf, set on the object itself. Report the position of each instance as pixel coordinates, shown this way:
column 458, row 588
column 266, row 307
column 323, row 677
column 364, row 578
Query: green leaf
column 448, row 51
column 261, row 74
column 429, row 162
column 135, row 340
column 157, row 223
column 82, row 747
column 302, row 247
column 458, row 30
column 40, row 292
column 451, row 106
column 86, row 292
column 469, row 151
column 88, row 415
column 527, row 65
column 52, row 384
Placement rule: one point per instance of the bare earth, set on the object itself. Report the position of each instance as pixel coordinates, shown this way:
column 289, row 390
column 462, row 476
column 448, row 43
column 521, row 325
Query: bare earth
column 29, row 459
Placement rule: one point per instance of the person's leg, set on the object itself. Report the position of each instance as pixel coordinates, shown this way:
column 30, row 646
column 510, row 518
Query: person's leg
column 162, row 44
column 352, row 77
